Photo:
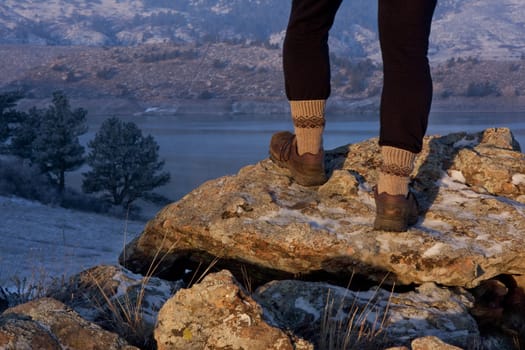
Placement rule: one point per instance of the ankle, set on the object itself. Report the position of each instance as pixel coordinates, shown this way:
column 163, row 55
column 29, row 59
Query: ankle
column 394, row 175
column 393, row 185
column 308, row 119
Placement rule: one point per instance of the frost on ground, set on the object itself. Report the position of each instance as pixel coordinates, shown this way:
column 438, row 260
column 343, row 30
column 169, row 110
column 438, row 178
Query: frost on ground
column 39, row 242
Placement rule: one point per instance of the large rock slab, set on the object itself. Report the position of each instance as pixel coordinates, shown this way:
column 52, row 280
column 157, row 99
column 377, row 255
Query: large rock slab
column 471, row 187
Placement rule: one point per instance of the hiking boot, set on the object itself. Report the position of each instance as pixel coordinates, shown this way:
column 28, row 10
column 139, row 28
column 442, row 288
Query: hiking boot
column 307, row 169
column 395, row 212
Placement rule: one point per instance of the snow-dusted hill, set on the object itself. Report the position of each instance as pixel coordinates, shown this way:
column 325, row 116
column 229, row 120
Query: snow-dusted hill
column 38, row 242
column 481, row 28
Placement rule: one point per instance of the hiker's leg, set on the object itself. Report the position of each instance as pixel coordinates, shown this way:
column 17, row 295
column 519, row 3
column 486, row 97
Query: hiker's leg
column 306, row 66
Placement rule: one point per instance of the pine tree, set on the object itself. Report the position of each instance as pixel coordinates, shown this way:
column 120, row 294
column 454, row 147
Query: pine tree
column 9, row 116
column 124, row 164
column 25, row 133
column 56, row 148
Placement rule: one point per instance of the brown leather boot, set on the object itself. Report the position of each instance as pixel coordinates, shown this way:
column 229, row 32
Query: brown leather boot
column 307, row 169
column 395, row 212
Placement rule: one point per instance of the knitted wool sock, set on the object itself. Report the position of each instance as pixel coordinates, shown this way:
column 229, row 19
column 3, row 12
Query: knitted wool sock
column 395, row 171
column 308, row 120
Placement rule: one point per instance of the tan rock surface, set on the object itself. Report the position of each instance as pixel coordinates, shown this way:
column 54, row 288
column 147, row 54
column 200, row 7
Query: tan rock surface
column 432, row 343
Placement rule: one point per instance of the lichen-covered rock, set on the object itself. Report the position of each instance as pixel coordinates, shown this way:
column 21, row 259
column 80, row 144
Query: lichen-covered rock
column 216, row 314
column 19, row 332
column 334, row 317
column 472, row 225
column 48, row 324
column 492, row 165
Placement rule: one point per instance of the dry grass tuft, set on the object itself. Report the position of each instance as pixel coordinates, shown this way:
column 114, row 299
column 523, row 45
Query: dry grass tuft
column 359, row 327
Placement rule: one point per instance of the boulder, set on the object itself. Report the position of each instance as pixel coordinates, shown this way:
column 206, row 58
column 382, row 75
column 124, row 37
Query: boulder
column 334, row 317
column 432, row 343
column 117, row 300
column 471, row 190
column 217, row 313
column 21, row 332
column 48, row 324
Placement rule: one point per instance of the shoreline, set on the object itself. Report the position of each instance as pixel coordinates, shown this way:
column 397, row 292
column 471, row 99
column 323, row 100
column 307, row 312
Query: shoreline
column 115, row 106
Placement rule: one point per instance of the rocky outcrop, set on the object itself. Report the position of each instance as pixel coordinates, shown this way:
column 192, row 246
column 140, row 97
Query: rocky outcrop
column 456, row 280
column 471, row 187
column 50, row 325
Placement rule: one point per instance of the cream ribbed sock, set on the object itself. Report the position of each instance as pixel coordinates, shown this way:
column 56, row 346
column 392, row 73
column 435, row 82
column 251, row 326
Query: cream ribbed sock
column 308, row 120
column 394, row 175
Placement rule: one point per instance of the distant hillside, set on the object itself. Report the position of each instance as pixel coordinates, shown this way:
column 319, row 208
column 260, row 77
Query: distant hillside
column 486, row 29
column 229, row 77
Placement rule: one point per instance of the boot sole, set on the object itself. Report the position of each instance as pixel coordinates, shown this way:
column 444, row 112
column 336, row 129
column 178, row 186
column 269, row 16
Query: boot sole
column 385, row 223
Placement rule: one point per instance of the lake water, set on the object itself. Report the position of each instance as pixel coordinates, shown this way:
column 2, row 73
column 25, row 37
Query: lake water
column 198, row 148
